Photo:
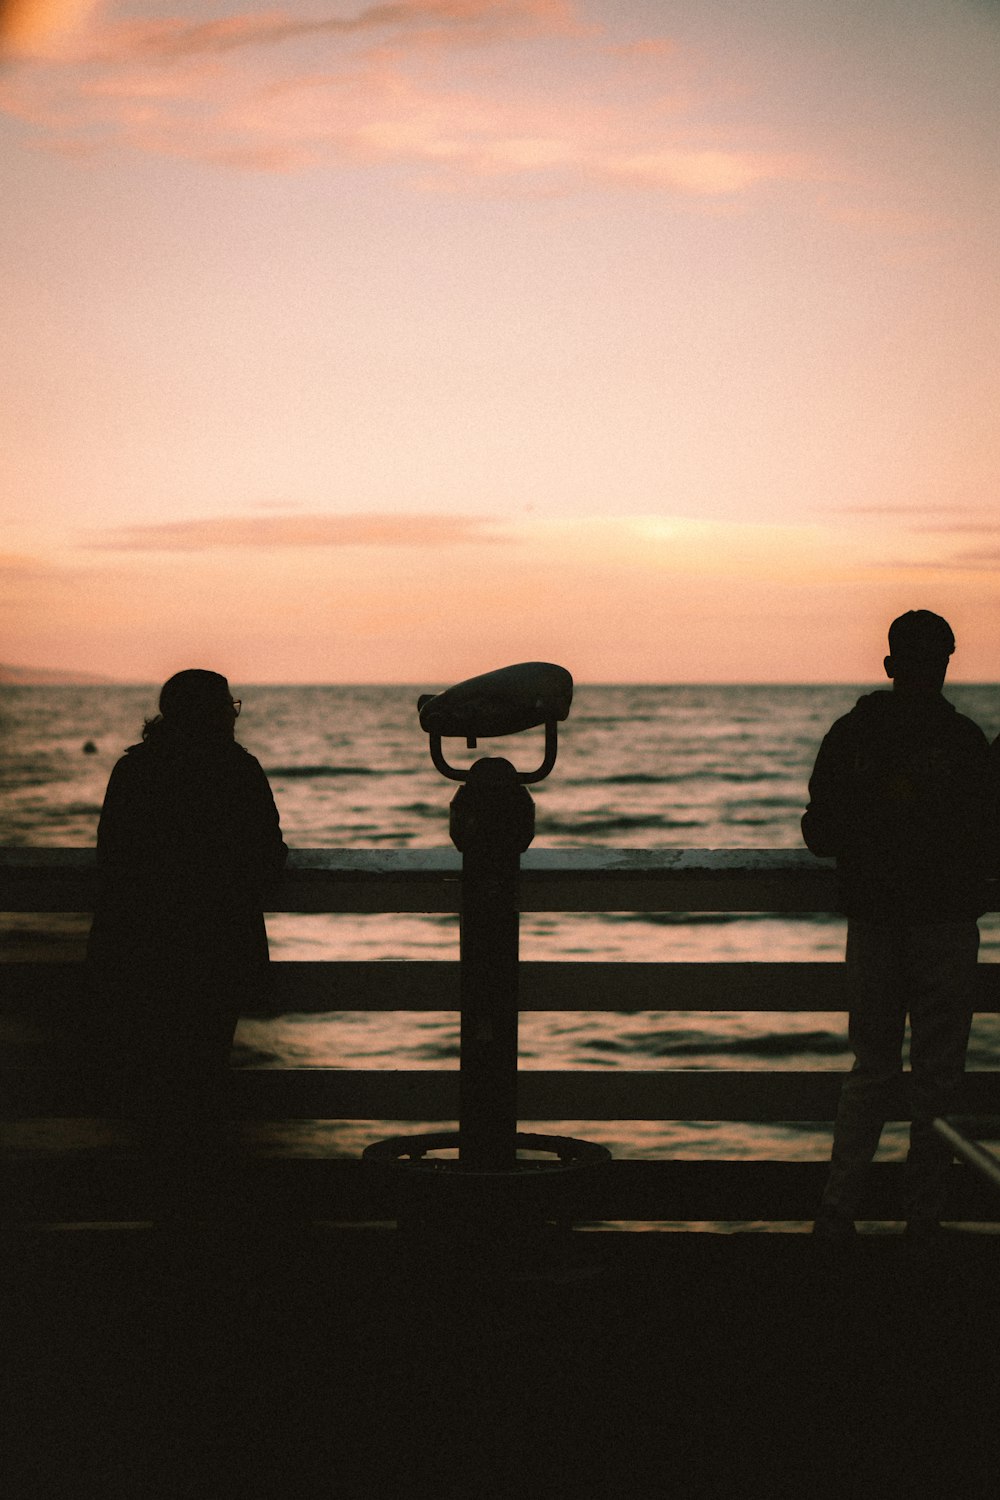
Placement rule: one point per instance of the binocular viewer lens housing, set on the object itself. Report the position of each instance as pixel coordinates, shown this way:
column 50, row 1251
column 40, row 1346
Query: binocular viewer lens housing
column 506, row 701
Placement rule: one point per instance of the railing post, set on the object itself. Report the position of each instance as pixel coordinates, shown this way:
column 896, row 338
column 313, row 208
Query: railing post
column 492, row 823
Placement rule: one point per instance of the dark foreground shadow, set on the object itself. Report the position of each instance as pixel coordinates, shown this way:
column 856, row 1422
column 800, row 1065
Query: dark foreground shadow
column 336, row 1362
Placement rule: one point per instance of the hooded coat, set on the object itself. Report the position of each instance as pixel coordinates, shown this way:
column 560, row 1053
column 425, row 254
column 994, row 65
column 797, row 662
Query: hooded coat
column 899, row 795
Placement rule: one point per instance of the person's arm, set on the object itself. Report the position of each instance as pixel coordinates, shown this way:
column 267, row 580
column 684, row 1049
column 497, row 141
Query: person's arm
column 124, row 816
column 273, row 849
column 992, row 831
column 823, row 821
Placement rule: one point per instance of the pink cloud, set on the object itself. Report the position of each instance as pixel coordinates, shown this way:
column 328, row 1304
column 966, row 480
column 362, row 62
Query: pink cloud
column 15, row 566
column 706, row 172
column 950, row 521
column 959, row 527
column 980, row 560
column 277, row 92
column 893, row 508
column 412, row 23
column 387, row 530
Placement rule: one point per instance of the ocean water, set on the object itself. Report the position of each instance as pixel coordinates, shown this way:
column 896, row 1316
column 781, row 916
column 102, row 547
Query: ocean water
column 640, row 767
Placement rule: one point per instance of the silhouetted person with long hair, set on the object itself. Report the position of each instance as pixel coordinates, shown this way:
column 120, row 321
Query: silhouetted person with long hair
column 187, row 844
column 899, row 795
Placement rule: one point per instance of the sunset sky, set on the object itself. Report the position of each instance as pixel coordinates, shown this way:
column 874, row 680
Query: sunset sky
column 396, row 342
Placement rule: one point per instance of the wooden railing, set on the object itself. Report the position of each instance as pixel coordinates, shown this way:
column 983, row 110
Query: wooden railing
column 428, row 880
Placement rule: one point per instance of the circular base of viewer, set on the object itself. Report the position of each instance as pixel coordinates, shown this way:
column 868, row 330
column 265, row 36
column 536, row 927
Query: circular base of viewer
column 489, row 1211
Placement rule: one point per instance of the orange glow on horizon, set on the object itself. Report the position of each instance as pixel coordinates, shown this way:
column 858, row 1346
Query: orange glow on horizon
column 639, row 598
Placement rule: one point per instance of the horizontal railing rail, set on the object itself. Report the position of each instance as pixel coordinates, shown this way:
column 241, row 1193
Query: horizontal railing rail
column 781, row 1095
column 552, row 880
column 319, row 986
column 429, row 880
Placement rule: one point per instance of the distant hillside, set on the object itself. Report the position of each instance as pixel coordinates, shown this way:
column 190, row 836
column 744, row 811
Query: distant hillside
column 49, row 677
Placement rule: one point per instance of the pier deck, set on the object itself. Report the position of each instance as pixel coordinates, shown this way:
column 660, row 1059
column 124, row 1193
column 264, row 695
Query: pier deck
column 340, row 1362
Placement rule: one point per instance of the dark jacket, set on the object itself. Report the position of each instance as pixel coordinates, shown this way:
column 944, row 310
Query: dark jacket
column 187, row 844
column 993, row 860
column 899, row 794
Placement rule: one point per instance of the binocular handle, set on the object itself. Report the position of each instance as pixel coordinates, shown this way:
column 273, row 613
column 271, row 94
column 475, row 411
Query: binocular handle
column 506, row 701
column 526, row 778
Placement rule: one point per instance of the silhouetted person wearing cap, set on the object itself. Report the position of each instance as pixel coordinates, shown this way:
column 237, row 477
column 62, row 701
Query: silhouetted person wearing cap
column 899, row 795
column 187, row 843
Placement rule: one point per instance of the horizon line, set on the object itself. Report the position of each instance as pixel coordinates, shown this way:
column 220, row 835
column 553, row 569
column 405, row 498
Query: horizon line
column 417, row 684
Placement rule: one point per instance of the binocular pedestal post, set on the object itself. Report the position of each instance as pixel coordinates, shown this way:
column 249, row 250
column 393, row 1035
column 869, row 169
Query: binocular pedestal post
column 492, row 823
column 490, row 1205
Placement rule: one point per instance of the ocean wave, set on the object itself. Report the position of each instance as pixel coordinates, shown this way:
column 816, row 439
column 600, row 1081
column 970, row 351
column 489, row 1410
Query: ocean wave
column 434, row 1052
column 778, row 804
column 706, row 918
column 614, row 721
column 698, row 1044
column 38, row 815
column 676, row 778
column 246, row 1055
column 624, row 823
column 15, row 780
column 772, row 1044
column 290, row 773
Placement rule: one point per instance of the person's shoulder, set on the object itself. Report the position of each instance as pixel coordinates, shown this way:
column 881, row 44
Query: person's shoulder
column 972, row 730
column 967, row 729
column 132, row 761
column 131, row 775
column 868, row 710
column 246, row 762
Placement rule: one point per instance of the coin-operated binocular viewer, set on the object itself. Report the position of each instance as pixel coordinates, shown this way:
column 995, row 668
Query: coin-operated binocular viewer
column 492, row 823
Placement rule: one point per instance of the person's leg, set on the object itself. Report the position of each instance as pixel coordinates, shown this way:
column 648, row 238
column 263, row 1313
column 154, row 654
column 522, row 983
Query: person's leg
column 180, row 1104
column 176, row 1042
column 197, row 1054
column 147, row 1092
column 942, row 962
column 875, row 1029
